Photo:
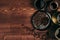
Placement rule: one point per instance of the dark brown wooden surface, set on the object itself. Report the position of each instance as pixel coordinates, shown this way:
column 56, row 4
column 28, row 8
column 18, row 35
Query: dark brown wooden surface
column 15, row 15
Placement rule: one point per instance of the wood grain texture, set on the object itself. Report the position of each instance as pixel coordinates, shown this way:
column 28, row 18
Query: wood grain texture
column 15, row 17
